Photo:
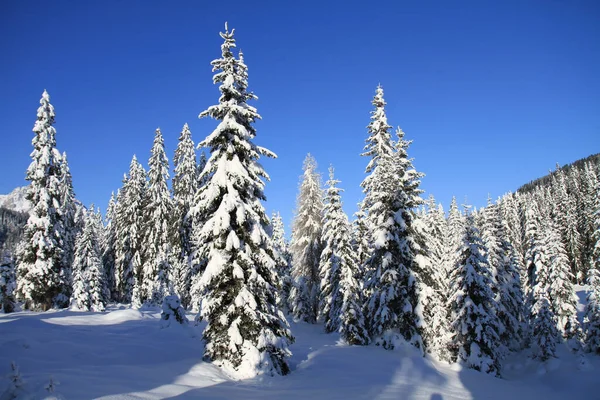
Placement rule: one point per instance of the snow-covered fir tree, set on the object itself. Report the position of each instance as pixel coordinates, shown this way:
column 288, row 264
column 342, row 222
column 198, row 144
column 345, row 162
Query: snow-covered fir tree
column 456, row 228
column 284, row 259
column 592, row 309
column 158, row 208
column 475, row 327
column 505, row 274
column 7, row 283
column 88, row 272
column 43, row 280
column 107, row 247
column 360, row 241
column 337, row 251
column 128, row 237
column 306, row 245
column 246, row 333
column 561, row 294
column 543, row 330
column 433, row 296
column 70, row 214
column 390, row 268
column 185, row 185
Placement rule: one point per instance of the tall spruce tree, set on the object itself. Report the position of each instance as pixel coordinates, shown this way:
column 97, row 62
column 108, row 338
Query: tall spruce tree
column 107, row 247
column 284, row 260
column 128, row 236
column 336, row 251
column 306, row 245
column 391, row 191
column 43, row 279
column 246, row 332
column 475, row 327
column 156, row 284
column 7, row 283
column 185, row 185
column 592, row 309
column 88, row 272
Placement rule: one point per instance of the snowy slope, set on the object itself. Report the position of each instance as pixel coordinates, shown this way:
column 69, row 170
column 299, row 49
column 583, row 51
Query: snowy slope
column 15, row 200
column 123, row 354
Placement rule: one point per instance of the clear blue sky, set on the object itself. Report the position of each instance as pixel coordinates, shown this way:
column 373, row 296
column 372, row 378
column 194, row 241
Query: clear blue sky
column 493, row 93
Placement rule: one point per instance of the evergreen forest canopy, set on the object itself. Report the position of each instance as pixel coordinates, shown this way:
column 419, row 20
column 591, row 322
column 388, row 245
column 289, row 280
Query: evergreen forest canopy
column 467, row 286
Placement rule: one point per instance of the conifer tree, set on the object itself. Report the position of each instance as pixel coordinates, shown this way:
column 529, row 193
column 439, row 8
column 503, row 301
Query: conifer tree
column 391, row 191
column 433, row 296
column 336, row 251
column 129, row 229
column 592, row 310
column 360, row 241
column 246, row 332
column 284, row 260
column 107, row 247
column 475, row 327
column 43, row 279
column 306, row 245
column 544, row 332
column 68, row 212
column 157, row 212
column 185, row 185
column 88, row 272
column 7, row 283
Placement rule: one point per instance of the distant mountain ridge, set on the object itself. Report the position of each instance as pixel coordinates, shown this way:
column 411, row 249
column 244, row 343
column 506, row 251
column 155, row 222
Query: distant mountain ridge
column 546, row 179
column 15, row 200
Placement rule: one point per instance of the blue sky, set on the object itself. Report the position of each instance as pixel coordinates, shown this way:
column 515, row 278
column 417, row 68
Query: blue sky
column 493, row 93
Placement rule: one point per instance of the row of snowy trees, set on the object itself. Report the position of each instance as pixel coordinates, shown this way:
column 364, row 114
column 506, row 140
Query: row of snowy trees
column 468, row 287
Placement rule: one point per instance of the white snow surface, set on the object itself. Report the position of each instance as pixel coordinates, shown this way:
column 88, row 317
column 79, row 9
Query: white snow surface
column 16, row 200
column 124, row 354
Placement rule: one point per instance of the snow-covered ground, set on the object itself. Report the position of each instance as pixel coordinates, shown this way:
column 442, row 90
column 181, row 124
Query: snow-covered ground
column 124, row 354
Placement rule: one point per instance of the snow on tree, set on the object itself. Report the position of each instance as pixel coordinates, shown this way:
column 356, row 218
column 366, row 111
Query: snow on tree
column 360, row 242
column 505, row 273
column 128, row 237
column 433, row 297
column 284, row 259
column 456, row 228
column 306, row 245
column 185, row 185
column 544, row 332
column 68, row 212
column 88, row 272
column 158, row 208
column 246, row 333
column 587, row 207
column 7, row 283
column 560, row 290
column 475, row 338
column 391, row 190
column 107, row 247
column 172, row 311
column 592, row 309
column 336, row 251
column 43, row 280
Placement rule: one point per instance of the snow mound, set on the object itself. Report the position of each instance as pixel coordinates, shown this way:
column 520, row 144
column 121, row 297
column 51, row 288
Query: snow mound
column 113, row 318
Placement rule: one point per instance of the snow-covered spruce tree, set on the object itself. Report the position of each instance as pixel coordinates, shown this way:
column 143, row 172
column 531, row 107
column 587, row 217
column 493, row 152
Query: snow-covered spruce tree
column 246, row 333
column 561, row 294
column 543, row 330
column 391, row 189
column 129, row 228
column 336, row 251
column 592, row 309
column 565, row 216
column 7, row 283
column 360, row 242
column 456, row 228
column 306, row 245
column 433, row 297
column 88, row 272
column 506, row 276
column 587, row 203
column 68, row 212
column 284, row 260
column 475, row 339
column 43, row 280
column 155, row 283
column 185, row 185
column 535, row 260
column 107, row 247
